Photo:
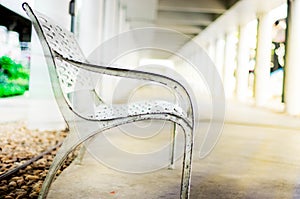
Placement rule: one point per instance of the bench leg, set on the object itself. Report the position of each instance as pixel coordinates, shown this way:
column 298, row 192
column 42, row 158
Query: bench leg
column 72, row 141
column 69, row 144
column 187, row 164
column 81, row 153
column 172, row 149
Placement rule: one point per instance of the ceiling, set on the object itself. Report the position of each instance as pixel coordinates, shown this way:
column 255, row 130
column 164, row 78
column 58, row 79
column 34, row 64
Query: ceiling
column 204, row 21
column 189, row 17
column 14, row 22
column 186, row 16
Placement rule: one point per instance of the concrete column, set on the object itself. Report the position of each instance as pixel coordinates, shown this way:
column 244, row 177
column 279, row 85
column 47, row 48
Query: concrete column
column 122, row 19
column 292, row 69
column 242, row 72
column 263, row 59
column 90, row 24
column 211, row 50
column 111, row 19
column 229, row 64
column 219, row 59
column 111, row 28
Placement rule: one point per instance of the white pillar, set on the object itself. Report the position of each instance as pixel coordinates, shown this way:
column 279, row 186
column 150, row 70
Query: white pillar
column 111, row 19
column 111, row 28
column 263, row 59
column 211, row 50
column 229, row 64
column 90, row 24
column 219, row 61
column 122, row 19
column 242, row 72
column 292, row 78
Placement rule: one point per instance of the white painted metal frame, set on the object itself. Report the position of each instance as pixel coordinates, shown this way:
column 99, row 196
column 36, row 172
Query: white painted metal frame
column 70, row 73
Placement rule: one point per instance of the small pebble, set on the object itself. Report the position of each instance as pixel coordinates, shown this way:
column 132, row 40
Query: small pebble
column 12, row 184
column 18, row 145
column 20, row 182
column 3, row 188
column 31, row 177
column 16, row 178
column 24, row 187
column 33, row 195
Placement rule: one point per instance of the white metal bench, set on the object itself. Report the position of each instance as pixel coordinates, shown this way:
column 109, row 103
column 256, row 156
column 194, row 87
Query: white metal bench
column 70, row 73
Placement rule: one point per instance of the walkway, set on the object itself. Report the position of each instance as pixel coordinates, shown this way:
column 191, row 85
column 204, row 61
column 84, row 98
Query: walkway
column 256, row 157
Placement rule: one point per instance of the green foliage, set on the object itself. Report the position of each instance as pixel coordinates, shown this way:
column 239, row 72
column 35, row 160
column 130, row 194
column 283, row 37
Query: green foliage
column 14, row 78
column 3, row 77
column 10, row 89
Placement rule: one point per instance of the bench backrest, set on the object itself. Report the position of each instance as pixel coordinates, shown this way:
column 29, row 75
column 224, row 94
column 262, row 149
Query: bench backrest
column 65, row 78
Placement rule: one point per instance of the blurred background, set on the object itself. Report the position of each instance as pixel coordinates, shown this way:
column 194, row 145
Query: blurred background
column 245, row 39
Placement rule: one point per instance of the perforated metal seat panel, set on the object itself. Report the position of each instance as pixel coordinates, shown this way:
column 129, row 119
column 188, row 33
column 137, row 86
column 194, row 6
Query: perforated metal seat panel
column 106, row 112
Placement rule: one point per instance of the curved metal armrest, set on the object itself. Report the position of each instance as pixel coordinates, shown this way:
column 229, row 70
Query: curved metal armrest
column 179, row 89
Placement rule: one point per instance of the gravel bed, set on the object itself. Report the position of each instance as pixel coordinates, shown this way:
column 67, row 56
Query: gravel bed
column 18, row 145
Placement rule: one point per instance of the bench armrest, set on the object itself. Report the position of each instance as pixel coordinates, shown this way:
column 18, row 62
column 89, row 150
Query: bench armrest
column 174, row 85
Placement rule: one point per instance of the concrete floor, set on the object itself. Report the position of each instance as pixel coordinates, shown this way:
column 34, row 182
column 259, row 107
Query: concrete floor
column 255, row 157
